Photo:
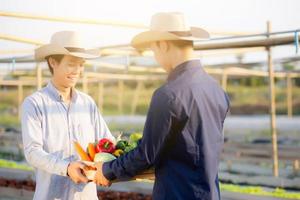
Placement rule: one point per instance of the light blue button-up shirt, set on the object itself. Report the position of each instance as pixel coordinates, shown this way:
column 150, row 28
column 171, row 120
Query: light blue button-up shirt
column 49, row 128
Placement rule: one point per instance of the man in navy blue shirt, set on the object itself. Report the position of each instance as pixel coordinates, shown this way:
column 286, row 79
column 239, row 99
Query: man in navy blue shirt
column 183, row 134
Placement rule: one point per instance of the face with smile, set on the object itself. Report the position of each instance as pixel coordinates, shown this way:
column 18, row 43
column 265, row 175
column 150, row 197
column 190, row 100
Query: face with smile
column 67, row 72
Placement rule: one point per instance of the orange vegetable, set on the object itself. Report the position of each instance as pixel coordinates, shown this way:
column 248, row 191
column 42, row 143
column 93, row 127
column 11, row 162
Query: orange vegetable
column 91, row 150
column 83, row 155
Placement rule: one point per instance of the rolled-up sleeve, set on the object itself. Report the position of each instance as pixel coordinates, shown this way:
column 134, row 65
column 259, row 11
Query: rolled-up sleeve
column 164, row 111
column 33, row 142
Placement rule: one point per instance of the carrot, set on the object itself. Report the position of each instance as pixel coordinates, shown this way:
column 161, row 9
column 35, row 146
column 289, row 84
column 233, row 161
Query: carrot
column 83, row 155
column 91, row 150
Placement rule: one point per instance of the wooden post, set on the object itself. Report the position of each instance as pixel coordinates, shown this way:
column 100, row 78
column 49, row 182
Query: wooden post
column 272, row 108
column 136, row 97
column 289, row 95
column 20, row 98
column 224, row 80
column 85, row 84
column 100, row 95
column 39, row 77
column 229, row 165
column 296, row 166
column 120, row 96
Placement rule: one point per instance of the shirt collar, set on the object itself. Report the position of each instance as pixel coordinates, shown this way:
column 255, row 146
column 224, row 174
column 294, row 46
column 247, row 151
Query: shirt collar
column 183, row 67
column 57, row 96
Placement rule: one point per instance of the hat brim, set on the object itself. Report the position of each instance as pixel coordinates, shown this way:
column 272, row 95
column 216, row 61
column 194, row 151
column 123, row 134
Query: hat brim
column 144, row 39
column 49, row 49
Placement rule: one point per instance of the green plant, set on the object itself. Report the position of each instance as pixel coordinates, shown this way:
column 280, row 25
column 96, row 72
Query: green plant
column 14, row 165
column 256, row 190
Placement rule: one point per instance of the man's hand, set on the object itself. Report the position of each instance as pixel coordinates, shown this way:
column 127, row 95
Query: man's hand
column 99, row 177
column 75, row 172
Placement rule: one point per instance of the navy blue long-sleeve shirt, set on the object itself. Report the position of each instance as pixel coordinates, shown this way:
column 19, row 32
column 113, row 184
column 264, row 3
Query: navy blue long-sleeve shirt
column 182, row 138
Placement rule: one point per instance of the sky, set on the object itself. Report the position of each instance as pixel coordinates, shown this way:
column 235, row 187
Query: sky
column 213, row 15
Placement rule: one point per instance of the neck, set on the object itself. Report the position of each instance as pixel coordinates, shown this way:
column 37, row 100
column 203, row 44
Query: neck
column 63, row 91
column 180, row 57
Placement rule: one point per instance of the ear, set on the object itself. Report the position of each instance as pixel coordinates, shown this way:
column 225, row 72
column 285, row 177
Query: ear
column 53, row 63
column 164, row 46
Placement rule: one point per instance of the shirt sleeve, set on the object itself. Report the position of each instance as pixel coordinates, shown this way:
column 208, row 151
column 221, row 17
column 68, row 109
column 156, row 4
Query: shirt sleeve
column 33, row 142
column 163, row 113
column 101, row 128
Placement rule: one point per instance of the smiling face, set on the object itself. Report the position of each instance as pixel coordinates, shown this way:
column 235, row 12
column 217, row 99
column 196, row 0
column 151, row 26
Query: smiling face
column 67, row 72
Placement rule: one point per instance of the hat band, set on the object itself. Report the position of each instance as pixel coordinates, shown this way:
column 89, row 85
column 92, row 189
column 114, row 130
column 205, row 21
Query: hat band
column 75, row 49
column 182, row 33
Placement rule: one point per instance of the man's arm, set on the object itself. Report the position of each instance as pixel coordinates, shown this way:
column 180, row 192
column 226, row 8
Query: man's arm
column 33, row 146
column 33, row 141
column 164, row 112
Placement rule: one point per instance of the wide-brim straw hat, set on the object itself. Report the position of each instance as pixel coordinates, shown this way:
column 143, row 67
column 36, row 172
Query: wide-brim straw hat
column 168, row 26
column 65, row 43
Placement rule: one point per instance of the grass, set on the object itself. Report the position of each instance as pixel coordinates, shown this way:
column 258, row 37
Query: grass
column 12, row 156
column 251, row 190
column 126, row 128
column 256, row 190
column 9, row 120
column 242, row 96
column 14, row 165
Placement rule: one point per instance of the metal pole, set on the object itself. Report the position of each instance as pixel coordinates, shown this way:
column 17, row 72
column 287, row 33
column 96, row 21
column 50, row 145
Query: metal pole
column 73, row 20
column 224, row 79
column 272, row 108
column 20, row 39
column 289, row 86
column 20, row 98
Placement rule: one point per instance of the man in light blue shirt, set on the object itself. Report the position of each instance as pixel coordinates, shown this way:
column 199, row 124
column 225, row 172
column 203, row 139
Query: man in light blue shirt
column 56, row 116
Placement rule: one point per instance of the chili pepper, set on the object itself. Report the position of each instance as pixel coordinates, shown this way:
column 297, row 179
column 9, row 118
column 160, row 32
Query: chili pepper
column 118, row 152
column 105, row 145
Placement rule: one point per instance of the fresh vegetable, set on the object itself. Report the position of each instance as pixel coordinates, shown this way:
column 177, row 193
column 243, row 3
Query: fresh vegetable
column 105, row 145
column 118, row 152
column 95, row 145
column 104, row 157
column 130, row 147
column 91, row 150
column 83, row 155
column 122, row 144
column 135, row 137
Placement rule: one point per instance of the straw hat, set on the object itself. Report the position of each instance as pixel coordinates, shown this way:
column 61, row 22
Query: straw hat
column 65, row 43
column 168, row 26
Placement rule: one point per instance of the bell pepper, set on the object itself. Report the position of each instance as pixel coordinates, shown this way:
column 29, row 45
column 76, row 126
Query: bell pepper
column 105, row 145
column 135, row 137
column 118, row 152
column 122, row 144
column 130, row 147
